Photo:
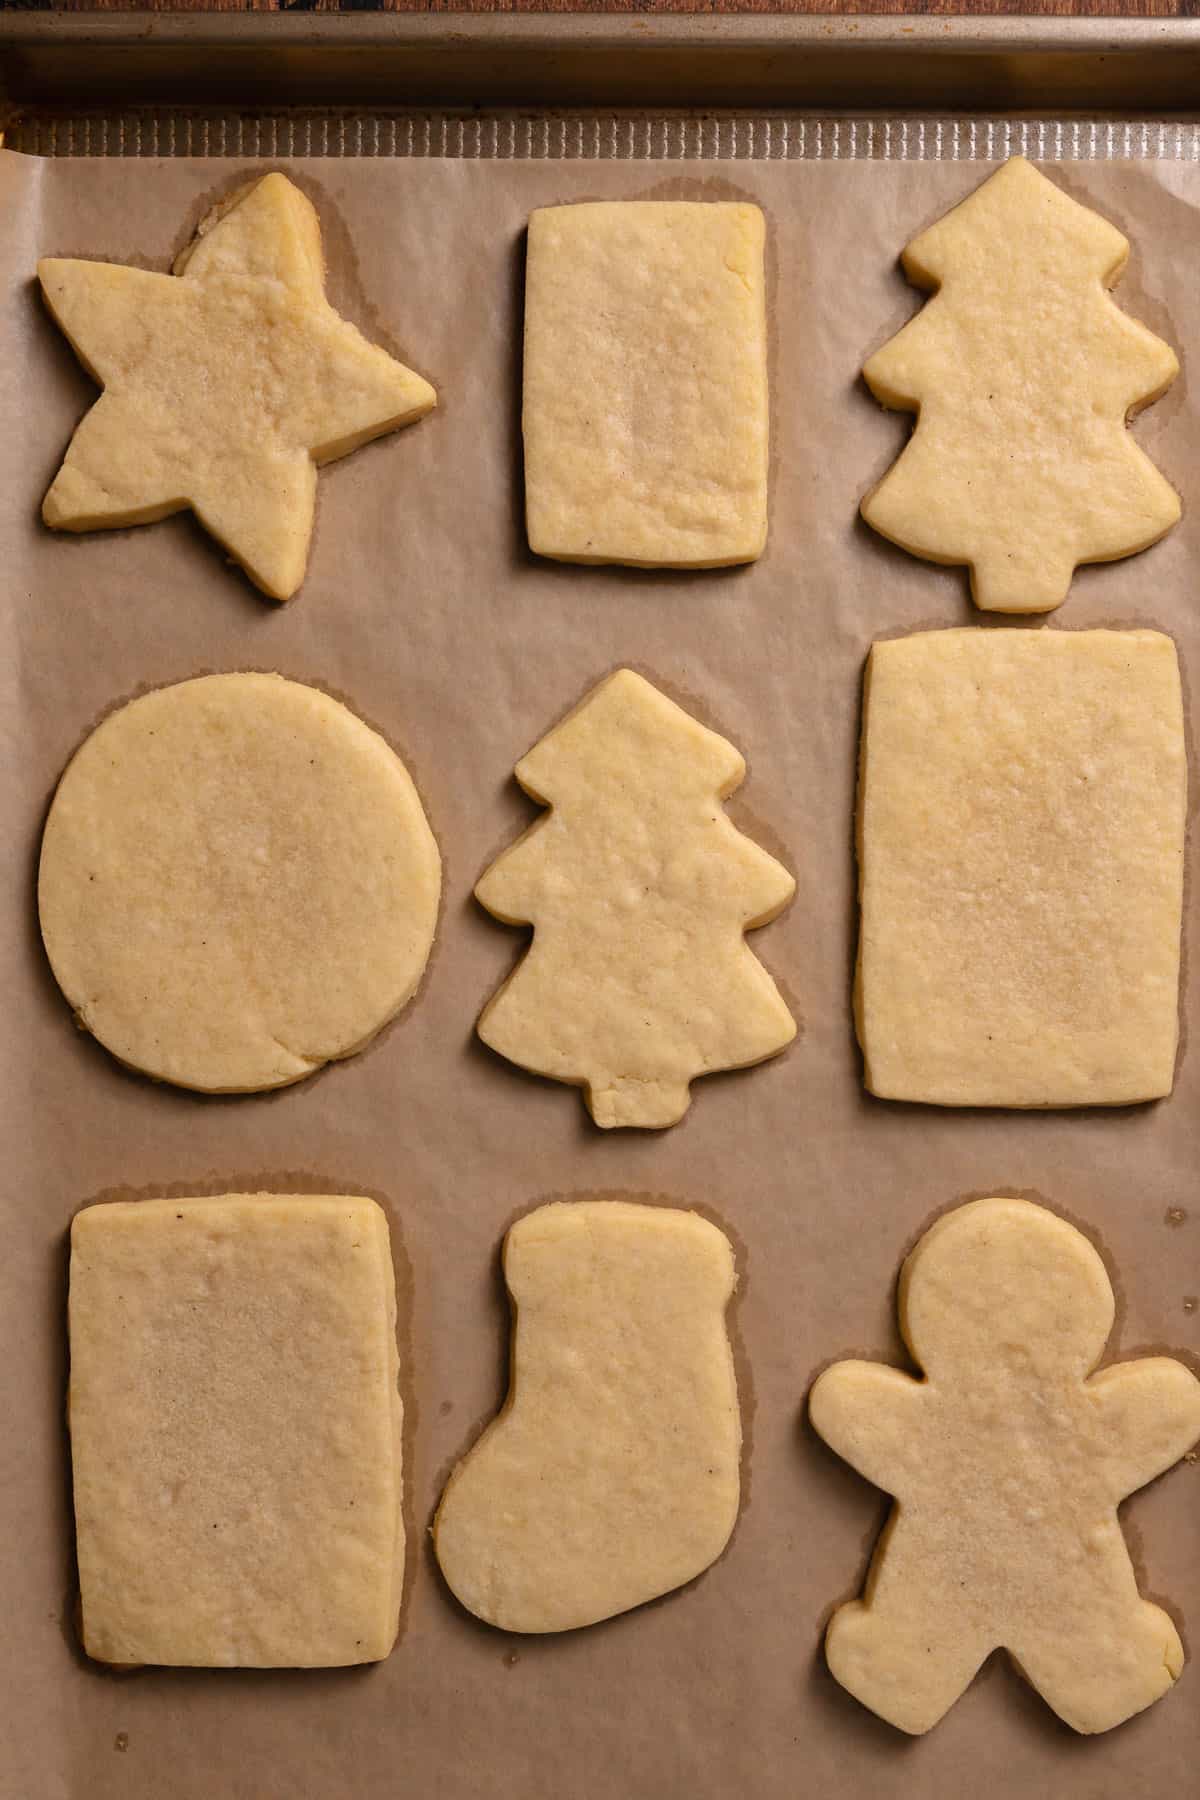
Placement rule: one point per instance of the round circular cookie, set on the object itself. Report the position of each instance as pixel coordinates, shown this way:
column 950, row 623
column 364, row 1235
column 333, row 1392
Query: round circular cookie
column 237, row 883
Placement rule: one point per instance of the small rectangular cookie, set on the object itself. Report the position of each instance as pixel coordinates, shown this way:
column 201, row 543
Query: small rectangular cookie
column 645, row 383
column 1021, row 828
column 235, row 1431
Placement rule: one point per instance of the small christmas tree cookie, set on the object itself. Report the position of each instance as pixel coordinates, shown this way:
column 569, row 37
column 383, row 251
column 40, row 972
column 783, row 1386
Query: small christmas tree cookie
column 611, row 1475
column 1022, row 372
column 1008, row 1461
column 225, row 385
column 639, row 890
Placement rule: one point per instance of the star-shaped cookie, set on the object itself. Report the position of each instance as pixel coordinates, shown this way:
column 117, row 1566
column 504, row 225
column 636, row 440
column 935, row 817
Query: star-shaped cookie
column 225, row 384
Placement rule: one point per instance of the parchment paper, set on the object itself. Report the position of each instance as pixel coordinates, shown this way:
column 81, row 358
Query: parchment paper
column 423, row 610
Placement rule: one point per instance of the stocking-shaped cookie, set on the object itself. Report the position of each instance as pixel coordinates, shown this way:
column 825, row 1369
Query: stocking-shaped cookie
column 1022, row 372
column 1008, row 1462
column 611, row 1475
column 639, row 889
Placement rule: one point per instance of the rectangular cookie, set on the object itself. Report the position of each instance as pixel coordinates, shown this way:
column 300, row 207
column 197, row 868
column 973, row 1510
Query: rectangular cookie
column 645, row 383
column 235, row 1431
column 1021, row 828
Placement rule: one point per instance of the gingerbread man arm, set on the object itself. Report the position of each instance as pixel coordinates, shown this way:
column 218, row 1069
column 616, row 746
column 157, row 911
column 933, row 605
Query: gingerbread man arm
column 873, row 1416
column 1150, row 1413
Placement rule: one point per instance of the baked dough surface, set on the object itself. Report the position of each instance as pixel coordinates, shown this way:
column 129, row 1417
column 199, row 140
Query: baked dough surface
column 235, row 1431
column 1022, row 372
column 645, row 383
column 237, row 883
column 1008, row 1462
column 225, row 384
column 611, row 1476
column 1021, row 831
column 640, row 889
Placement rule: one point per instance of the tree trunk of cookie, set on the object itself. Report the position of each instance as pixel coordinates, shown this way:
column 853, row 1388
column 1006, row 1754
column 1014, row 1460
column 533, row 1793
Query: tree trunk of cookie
column 627, row 1100
column 1019, row 582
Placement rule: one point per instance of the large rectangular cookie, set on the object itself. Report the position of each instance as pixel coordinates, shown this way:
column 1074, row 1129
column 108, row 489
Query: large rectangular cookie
column 1021, row 829
column 235, row 1431
column 645, row 383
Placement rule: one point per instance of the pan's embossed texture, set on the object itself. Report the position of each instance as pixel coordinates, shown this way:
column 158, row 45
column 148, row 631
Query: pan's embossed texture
column 626, row 136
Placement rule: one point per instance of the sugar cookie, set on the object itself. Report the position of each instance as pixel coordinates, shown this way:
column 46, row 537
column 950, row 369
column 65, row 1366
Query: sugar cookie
column 1022, row 372
column 225, row 385
column 237, row 883
column 611, row 1475
column 235, row 1431
column 639, row 890
column 1021, row 828
column 645, row 383
column 1008, row 1461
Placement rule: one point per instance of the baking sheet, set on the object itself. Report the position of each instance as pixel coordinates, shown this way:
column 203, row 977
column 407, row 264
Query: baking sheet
column 95, row 61
column 423, row 611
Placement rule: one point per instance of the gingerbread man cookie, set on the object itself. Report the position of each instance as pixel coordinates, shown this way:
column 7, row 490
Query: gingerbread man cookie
column 1008, row 1461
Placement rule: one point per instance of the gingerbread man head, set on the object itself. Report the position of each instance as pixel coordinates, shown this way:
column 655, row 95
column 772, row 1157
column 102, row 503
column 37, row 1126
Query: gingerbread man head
column 993, row 1273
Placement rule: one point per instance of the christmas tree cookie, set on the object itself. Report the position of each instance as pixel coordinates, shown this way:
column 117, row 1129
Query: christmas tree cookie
column 639, row 890
column 1022, row 808
column 611, row 1475
column 1023, row 373
column 225, row 385
column 236, row 1431
column 645, row 383
column 237, row 883
column 1008, row 1460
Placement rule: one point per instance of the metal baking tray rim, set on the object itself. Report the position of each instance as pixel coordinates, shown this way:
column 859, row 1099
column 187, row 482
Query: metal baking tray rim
column 82, row 61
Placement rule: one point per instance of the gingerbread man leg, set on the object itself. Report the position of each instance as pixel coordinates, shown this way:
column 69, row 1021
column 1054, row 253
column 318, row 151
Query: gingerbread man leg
column 887, row 1658
column 1140, row 1657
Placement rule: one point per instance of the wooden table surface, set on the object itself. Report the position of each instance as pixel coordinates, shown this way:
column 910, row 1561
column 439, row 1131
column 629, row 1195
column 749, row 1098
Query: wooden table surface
column 1144, row 9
